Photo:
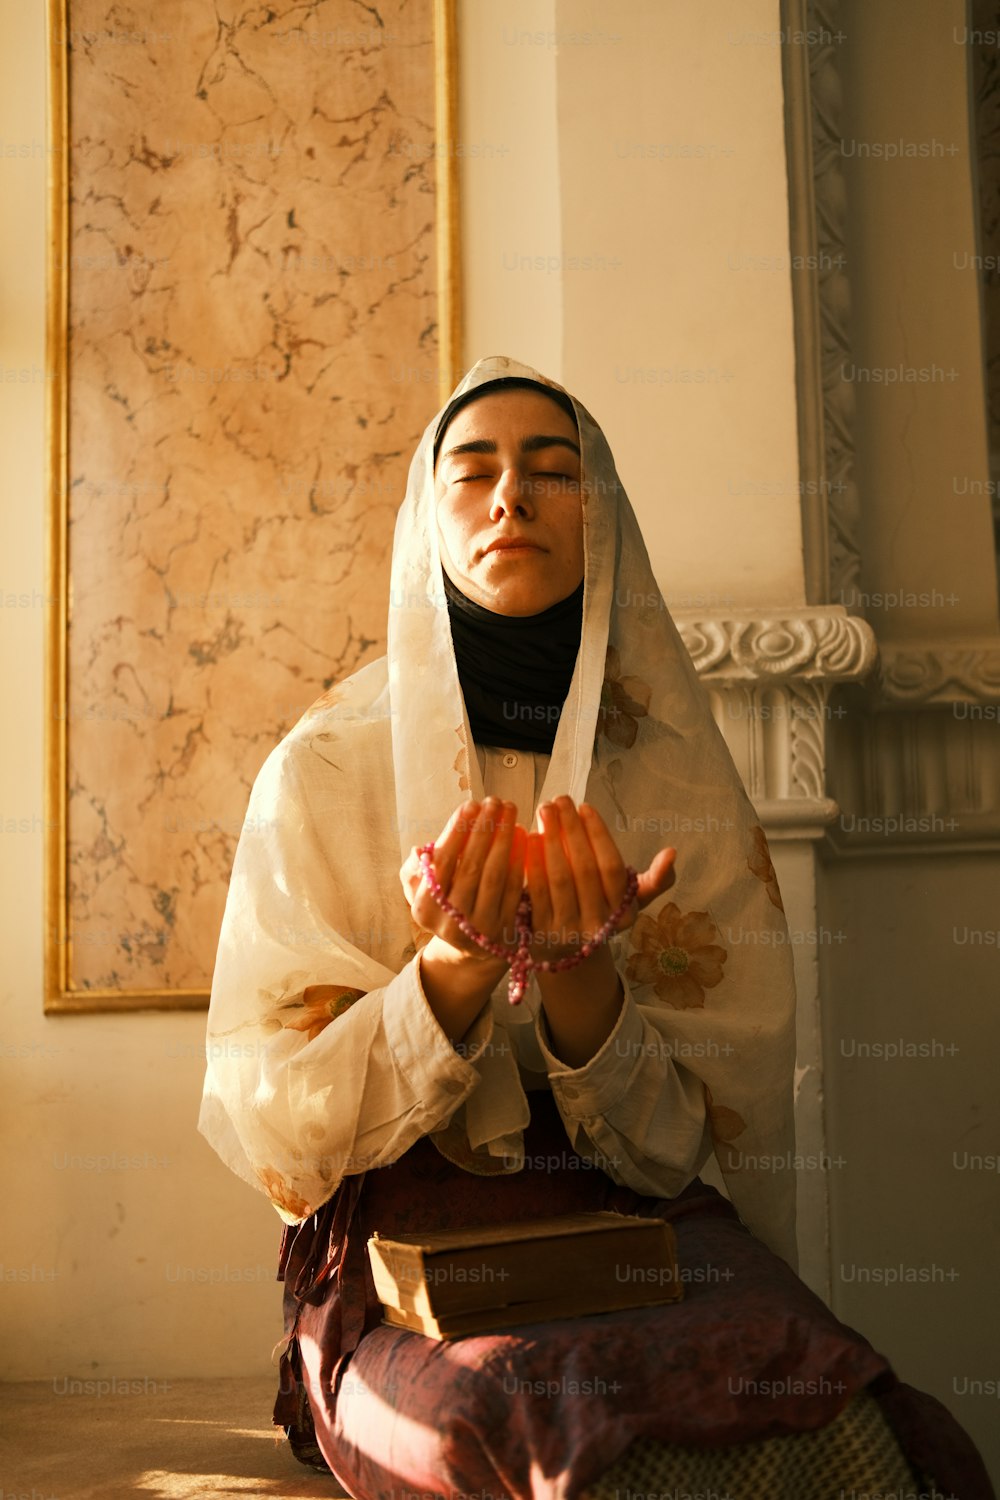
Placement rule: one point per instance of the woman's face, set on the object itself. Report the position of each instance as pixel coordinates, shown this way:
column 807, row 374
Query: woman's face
column 509, row 508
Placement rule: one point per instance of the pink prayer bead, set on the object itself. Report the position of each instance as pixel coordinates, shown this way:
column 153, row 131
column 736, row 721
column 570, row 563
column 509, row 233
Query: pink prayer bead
column 519, row 957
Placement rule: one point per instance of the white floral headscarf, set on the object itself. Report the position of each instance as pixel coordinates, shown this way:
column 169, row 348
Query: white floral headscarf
column 316, row 916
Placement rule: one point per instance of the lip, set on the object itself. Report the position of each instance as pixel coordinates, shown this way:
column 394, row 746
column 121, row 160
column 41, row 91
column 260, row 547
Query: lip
column 513, row 544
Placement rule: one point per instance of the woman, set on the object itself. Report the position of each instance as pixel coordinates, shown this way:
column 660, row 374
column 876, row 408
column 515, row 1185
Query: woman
column 370, row 1073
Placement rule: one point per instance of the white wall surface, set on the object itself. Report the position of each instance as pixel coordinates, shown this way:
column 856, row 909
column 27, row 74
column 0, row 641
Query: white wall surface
column 127, row 1248
column 635, row 234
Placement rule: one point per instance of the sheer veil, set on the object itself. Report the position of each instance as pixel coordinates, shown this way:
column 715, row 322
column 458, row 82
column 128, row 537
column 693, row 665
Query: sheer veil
column 315, row 916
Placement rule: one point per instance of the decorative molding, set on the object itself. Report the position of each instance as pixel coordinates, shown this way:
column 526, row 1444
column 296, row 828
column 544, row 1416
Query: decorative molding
column 887, row 836
column 876, row 767
column 806, row 324
column 810, row 644
column 769, row 679
column 958, row 671
column 776, row 732
column 834, row 291
column 806, row 740
column 921, row 780
column 821, row 298
column 802, row 818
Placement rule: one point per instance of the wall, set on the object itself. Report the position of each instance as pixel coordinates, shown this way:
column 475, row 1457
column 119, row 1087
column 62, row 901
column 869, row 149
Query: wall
column 631, row 238
column 129, row 1250
column 101, row 1254
column 509, row 198
column 910, row 1015
column 115, row 1201
column 914, row 1118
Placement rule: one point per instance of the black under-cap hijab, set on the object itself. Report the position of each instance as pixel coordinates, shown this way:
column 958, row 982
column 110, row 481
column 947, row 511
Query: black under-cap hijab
column 514, row 670
column 492, row 387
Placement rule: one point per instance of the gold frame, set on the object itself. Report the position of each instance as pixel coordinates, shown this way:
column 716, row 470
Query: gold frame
column 60, row 998
column 449, row 260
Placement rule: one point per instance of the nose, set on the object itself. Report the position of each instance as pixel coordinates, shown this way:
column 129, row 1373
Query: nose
column 511, row 496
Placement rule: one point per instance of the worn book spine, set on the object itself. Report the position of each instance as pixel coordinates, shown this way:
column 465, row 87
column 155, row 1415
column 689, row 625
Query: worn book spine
column 589, row 1267
column 488, row 1319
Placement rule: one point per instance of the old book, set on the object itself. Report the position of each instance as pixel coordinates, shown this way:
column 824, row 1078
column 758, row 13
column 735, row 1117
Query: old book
column 448, row 1283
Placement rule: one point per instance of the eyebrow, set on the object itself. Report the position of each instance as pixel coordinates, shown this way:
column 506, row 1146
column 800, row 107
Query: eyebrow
column 528, row 445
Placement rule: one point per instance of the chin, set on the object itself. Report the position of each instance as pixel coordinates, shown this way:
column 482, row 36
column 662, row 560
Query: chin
column 518, row 603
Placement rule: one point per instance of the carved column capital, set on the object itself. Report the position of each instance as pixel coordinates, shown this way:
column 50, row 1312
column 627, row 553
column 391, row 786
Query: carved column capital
column 809, row 644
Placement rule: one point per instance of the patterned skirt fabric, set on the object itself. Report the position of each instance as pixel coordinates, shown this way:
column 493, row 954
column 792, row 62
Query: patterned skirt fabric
column 746, row 1385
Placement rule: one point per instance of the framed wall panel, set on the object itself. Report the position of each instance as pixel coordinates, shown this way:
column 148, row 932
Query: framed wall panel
column 253, row 310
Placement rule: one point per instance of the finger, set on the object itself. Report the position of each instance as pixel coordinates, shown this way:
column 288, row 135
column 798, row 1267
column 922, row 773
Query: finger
column 594, row 887
column 514, row 889
column 562, row 887
column 459, row 824
column 449, row 849
column 607, row 855
column 410, row 875
column 495, row 869
column 426, row 912
column 488, row 839
column 454, row 835
column 464, row 888
column 537, row 881
column 658, row 878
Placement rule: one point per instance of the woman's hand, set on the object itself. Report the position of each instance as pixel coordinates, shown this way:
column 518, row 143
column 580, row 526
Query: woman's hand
column 479, row 862
column 576, row 878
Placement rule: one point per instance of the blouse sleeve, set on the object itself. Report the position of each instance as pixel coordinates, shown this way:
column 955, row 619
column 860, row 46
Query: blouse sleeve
column 412, row 1080
column 415, row 1077
column 632, row 1108
column 321, row 1061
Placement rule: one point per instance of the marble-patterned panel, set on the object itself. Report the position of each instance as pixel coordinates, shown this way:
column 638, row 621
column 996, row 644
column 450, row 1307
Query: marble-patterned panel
column 252, row 272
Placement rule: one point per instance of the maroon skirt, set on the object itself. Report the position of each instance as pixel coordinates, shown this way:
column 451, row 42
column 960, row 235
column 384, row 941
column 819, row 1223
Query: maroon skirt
column 545, row 1409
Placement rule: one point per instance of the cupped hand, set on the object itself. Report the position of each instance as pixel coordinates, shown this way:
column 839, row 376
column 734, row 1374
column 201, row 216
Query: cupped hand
column 479, row 862
column 576, row 878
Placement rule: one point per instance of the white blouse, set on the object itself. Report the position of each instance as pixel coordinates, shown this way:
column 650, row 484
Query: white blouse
column 633, row 1109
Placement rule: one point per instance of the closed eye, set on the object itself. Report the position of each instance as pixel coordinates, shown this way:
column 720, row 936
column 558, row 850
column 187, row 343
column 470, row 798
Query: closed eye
column 537, row 474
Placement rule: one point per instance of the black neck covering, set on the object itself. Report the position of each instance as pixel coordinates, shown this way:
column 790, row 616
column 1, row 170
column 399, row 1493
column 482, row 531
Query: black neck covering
column 514, row 670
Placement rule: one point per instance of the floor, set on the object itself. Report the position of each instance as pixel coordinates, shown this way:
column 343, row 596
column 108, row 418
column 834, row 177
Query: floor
column 160, row 1440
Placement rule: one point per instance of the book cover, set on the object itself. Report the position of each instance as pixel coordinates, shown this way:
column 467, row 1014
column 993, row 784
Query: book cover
column 448, row 1283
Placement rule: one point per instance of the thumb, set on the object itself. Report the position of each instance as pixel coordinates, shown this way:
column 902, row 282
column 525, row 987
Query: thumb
column 411, row 874
column 658, row 878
